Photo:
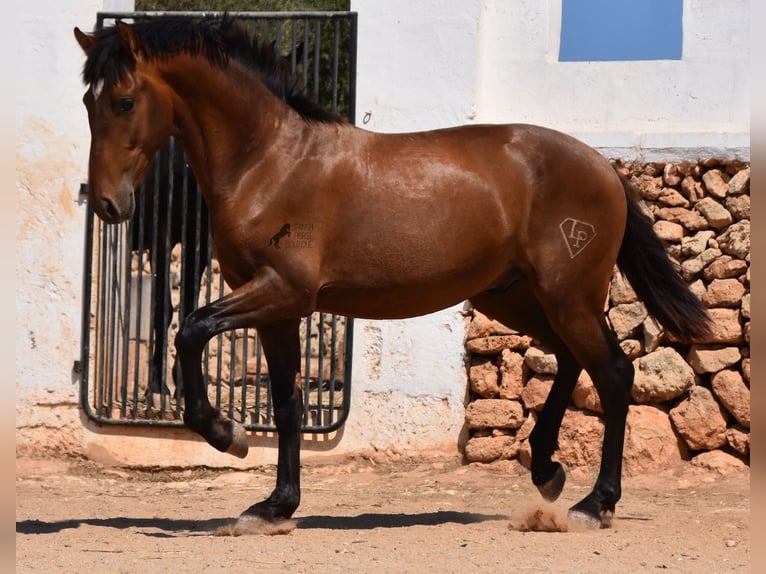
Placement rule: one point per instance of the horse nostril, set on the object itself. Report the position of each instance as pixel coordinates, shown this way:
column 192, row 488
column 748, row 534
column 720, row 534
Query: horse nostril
column 110, row 210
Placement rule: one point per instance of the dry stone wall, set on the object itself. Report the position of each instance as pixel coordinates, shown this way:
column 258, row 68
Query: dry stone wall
column 688, row 402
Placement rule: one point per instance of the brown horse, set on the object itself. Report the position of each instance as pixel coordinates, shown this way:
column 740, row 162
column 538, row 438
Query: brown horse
column 525, row 222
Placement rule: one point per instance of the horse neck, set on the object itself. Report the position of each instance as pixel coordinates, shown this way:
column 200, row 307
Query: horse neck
column 225, row 119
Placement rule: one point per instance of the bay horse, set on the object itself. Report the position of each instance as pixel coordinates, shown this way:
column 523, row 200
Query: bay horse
column 525, row 222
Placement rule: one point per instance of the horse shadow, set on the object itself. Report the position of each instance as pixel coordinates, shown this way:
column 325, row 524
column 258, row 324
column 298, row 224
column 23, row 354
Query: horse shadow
column 170, row 527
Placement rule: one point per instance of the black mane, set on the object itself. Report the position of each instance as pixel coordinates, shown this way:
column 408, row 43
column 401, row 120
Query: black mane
column 219, row 39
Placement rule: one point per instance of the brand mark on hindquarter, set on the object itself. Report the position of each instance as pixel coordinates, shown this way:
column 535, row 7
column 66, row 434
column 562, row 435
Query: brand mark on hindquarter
column 577, row 235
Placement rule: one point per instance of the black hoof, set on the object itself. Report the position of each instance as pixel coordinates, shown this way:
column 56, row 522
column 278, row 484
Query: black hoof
column 220, row 432
column 551, row 489
column 591, row 514
column 268, row 511
column 583, row 520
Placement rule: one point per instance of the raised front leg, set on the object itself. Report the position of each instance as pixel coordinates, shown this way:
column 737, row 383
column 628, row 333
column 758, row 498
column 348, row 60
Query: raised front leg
column 193, row 265
column 264, row 301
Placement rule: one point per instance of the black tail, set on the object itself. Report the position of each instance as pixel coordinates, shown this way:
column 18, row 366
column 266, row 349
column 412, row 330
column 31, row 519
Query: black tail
column 648, row 268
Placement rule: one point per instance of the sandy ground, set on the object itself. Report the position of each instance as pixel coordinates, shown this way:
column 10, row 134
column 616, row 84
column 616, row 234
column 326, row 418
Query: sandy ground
column 423, row 516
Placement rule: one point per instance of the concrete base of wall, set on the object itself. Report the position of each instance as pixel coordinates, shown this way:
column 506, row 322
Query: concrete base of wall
column 179, row 447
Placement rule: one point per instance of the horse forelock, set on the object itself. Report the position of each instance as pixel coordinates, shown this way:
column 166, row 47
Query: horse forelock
column 218, row 39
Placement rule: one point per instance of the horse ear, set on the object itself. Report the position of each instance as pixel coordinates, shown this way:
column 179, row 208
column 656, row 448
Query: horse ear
column 127, row 37
column 85, row 40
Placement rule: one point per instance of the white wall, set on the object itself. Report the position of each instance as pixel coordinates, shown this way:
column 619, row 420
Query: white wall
column 433, row 64
column 698, row 106
column 51, row 158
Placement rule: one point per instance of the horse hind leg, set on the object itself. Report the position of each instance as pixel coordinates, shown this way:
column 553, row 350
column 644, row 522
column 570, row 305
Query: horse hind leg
column 595, row 347
column 548, row 475
column 518, row 308
column 613, row 379
column 161, row 319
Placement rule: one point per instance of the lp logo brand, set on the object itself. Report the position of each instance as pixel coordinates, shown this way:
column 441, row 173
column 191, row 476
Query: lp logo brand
column 577, row 234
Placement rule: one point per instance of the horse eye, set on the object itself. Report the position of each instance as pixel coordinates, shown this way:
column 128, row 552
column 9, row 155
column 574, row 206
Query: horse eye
column 127, row 105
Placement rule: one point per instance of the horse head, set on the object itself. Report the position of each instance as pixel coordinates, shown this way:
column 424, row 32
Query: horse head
column 130, row 114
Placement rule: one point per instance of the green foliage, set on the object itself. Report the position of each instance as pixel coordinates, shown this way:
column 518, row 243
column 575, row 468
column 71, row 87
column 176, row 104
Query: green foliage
column 242, row 5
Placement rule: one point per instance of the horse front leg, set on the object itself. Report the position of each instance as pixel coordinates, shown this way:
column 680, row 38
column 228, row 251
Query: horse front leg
column 192, row 267
column 281, row 346
column 199, row 415
column 264, row 300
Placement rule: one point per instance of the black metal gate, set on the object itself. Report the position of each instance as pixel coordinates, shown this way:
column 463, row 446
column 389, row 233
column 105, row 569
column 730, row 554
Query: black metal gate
column 144, row 276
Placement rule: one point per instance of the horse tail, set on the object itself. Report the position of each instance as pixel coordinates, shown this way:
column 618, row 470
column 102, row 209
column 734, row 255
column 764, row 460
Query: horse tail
column 644, row 261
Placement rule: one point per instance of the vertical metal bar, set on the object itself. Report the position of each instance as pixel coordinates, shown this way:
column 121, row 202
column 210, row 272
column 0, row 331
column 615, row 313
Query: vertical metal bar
column 306, row 370
column 258, row 380
column 278, row 37
column 232, row 371
column 167, row 310
column 101, row 328
column 333, row 369
column 113, row 325
column 85, row 325
column 139, row 223
column 269, row 406
column 347, row 364
column 219, row 362
column 243, row 400
column 154, row 263
column 335, row 39
column 320, row 368
column 265, row 30
column 196, row 272
column 208, row 296
column 127, row 319
column 293, row 46
column 352, row 71
column 305, row 71
column 317, row 58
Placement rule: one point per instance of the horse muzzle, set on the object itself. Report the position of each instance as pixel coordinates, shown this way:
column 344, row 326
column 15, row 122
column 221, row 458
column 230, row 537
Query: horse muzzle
column 117, row 207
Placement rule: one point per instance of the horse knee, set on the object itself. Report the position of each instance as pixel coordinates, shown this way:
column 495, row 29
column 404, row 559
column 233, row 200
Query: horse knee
column 191, row 335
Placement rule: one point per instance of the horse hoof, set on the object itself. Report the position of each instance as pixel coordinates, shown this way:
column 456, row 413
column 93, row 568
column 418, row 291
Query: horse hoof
column 552, row 489
column 239, row 443
column 583, row 520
